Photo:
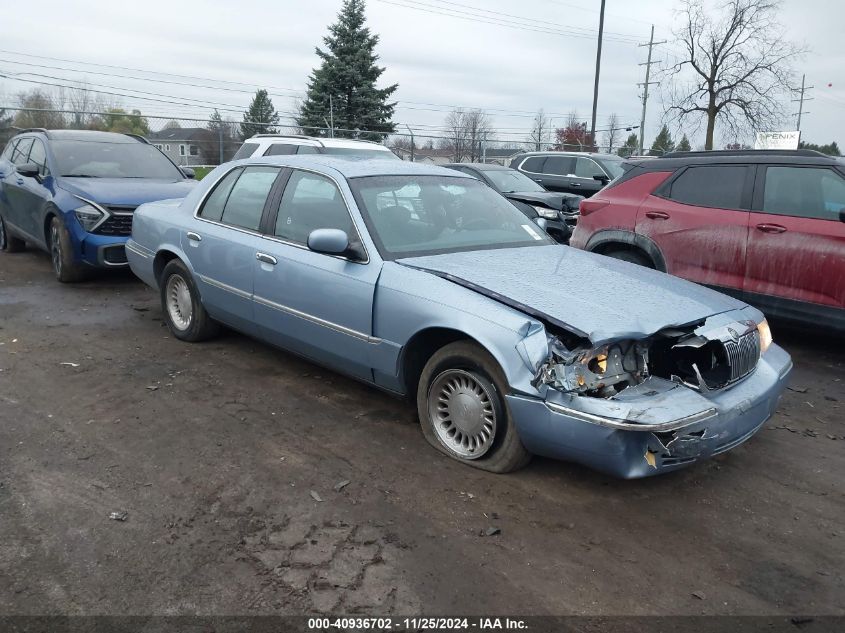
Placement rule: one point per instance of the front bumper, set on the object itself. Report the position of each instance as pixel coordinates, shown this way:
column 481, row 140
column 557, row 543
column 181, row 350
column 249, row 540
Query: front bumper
column 734, row 415
column 102, row 251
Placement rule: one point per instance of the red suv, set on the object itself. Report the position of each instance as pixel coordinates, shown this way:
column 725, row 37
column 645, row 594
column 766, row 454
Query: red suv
column 765, row 226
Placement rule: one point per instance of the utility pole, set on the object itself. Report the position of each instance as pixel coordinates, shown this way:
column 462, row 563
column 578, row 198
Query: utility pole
column 651, row 44
column 412, row 141
column 801, row 100
column 331, row 116
column 598, row 69
column 220, row 137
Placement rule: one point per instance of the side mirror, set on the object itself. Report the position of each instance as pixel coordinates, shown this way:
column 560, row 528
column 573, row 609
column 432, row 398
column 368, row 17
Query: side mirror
column 29, row 170
column 328, row 241
column 189, row 173
column 601, row 178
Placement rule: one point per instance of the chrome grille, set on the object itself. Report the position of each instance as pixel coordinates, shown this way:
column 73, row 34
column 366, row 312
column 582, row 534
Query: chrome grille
column 119, row 223
column 743, row 354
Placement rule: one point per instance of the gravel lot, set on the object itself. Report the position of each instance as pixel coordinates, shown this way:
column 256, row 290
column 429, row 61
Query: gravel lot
column 228, row 457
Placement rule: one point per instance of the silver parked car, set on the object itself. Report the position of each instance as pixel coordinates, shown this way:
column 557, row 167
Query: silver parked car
column 425, row 282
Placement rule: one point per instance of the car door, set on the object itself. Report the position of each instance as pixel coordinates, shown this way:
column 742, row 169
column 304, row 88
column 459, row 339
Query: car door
column 222, row 241
column 318, row 305
column 699, row 221
column 34, row 193
column 18, row 190
column 559, row 174
column 796, row 240
column 584, row 182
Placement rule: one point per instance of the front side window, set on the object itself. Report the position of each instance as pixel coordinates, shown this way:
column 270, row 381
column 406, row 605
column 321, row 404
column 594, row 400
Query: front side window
column 715, row 186
column 613, row 166
column 92, row 159
column 7, row 153
column 245, row 203
column 311, row 202
column 21, row 153
column 806, row 192
column 587, row 168
column 38, row 156
column 559, row 165
column 421, row 215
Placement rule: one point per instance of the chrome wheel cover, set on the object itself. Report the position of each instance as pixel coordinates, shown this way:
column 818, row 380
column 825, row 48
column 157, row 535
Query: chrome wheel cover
column 180, row 307
column 462, row 413
column 56, row 249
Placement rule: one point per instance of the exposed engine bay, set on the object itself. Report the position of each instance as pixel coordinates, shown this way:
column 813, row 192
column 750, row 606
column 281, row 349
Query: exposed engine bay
column 701, row 357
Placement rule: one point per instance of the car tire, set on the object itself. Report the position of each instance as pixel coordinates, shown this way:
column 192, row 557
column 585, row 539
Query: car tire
column 632, row 256
column 464, row 380
column 61, row 254
column 180, row 302
column 9, row 243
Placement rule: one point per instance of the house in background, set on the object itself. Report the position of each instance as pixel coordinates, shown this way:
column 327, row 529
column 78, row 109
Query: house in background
column 441, row 156
column 183, row 145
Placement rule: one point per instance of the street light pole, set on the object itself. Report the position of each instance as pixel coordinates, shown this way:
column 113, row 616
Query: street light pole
column 598, row 70
column 412, row 141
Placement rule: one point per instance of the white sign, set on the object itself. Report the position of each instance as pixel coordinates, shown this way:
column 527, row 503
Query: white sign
column 777, row 140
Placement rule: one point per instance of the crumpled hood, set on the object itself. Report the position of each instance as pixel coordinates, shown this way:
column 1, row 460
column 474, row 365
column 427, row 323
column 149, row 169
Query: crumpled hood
column 599, row 297
column 126, row 191
column 547, row 198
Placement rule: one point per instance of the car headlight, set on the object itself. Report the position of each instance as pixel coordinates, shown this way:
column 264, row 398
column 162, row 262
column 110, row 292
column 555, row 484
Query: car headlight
column 89, row 216
column 765, row 335
column 545, row 212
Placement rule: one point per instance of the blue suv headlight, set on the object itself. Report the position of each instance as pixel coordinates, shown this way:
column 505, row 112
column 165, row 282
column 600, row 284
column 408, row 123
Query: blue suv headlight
column 89, row 216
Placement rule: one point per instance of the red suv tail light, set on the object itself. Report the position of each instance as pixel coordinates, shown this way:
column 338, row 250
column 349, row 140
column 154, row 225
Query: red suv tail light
column 588, row 205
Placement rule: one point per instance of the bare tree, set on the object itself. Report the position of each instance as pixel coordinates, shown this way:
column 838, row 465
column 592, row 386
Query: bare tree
column 612, row 133
column 478, row 130
column 541, row 130
column 38, row 110
column 456, row 135
column 736, row 66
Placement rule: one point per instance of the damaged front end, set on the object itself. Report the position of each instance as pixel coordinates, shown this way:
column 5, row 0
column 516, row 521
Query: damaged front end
column 658, row 398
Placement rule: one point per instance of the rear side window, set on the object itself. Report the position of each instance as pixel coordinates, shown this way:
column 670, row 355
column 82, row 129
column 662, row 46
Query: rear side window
column 533, row 164
column 213, row 207
column 280, row 149
column 805, row 192
column 307, row 149
column 559, row 165
column 247, row 198
column 246, row 150
column 21, row 153
column 715, row 186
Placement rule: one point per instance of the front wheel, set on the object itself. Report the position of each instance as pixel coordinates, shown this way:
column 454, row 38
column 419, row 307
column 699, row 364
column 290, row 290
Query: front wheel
column 8, row 242
column 632, row 256
column 462, row 410
column 180, row 301
column 61, row 254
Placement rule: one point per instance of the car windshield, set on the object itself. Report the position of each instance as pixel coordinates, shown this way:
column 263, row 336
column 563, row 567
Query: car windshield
column 360, row 152
column 613, row 166
column 426, row 215
column 510, row 180
column 87, row 159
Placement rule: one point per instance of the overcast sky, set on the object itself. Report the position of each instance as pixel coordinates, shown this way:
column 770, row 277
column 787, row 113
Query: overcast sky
column 439, row 61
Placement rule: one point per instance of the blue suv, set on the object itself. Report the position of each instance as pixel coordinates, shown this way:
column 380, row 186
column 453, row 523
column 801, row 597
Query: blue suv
column 73, row 193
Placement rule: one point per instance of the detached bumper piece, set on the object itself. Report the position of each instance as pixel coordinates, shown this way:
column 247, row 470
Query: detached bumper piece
column 655, row 427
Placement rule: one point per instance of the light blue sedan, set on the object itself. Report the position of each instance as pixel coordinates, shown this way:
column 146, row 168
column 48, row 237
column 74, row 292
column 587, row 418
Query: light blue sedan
column 426, row 283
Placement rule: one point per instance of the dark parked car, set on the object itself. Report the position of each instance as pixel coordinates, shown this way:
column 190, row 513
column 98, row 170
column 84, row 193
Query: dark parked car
column 72, row 193
column 765, row 226
column 573, row 172
column 558, row 211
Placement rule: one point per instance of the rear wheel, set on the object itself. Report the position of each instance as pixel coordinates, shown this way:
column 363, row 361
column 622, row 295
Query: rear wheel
column 61, row 254
column 462, row 410
column 631, row 255
column 180, row 301
column 8, row 242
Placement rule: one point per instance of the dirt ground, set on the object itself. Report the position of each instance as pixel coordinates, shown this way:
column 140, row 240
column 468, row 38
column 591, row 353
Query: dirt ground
column 228, row 457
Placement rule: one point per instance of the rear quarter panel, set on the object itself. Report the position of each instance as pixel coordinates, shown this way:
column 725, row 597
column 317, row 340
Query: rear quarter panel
column 156, row 227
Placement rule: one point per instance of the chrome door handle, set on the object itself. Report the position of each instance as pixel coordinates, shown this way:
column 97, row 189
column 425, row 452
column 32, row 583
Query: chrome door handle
column 538, row 180
column 194, row 236
column 657, row 215
column 574, row 184
column 771, row 228
column 267, row 259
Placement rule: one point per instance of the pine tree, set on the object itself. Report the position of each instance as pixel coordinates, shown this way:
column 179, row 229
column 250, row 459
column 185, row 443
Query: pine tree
column 260, row 111
column 344, row 87
column 630, row 147
column 683, row 145
column 663, row 144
